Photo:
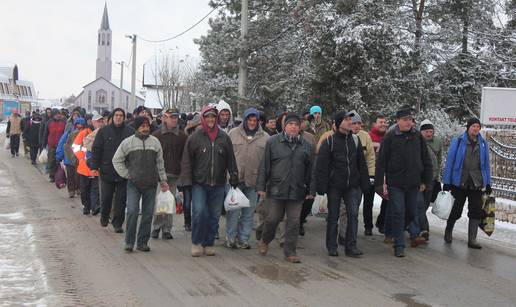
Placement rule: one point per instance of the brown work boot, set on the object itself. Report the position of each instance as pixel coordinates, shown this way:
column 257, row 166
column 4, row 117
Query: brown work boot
column 209, row 251
column 196, row 250
column 263, row 248
column 388, row 239
column 417, row 241
column 293, row 259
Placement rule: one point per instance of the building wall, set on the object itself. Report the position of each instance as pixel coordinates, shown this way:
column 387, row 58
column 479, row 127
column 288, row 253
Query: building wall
column 102, row 95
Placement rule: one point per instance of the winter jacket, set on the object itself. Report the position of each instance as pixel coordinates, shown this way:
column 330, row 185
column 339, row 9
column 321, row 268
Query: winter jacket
column 377, row 138
column 368, row 148
column 323, row 138
column 341, row 164
column 435, row 149
column 32, row 133
column 81, row 151
column 61, row 149
column 54, row 129
column 14, row 125
column 455, row 161
column 173, row 143
column 248, row 153
column 206, row 162
column 222, row 105
column 286, row 168
column 403, row 160
column 104, row 147
column 26, row 122
column 139, row 158
column 319, row 129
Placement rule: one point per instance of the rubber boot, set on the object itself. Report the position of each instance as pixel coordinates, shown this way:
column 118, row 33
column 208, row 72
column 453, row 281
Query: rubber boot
column 472, row 234
column 448, row 231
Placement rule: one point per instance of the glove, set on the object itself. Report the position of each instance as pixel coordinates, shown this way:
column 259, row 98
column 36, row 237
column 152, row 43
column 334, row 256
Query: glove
column 489, row 191
column 447, row 187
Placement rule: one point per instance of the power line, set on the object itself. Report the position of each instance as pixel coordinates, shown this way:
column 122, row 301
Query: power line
column 185, row 31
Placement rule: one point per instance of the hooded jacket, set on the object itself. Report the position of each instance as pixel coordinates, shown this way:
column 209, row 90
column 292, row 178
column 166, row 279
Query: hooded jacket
column 222, row 105
column 54, row 129
column 14, row 125
column 173, row 143
column 207, row 162
column 248, row 150
column 32, row 133
column 106, row 142
column 139, row 159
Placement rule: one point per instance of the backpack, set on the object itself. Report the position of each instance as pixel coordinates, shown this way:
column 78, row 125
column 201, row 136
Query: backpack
column 68, row 151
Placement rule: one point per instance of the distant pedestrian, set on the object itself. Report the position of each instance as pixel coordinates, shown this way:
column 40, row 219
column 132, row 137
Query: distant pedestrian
column 139, row 160
column 467, row 174
column 54, row 129
column 64, row 153
column 14, row 131
column 32, row 133
column 319, row 125
column 284, row 178
column 377, row 134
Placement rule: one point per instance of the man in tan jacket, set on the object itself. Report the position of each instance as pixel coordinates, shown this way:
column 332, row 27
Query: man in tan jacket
column 13, row 132
column 369, row 153
column 249, row 141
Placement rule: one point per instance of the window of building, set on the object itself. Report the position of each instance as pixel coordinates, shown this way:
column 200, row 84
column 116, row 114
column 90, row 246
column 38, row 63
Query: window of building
column 100, row 96
column 103, row 39
column 7, row 89
column 108, row 39
column 99, row 39
column 126, row 103
column 1, row 88
column 89, row 101
column 112, row 100
column 30, row 92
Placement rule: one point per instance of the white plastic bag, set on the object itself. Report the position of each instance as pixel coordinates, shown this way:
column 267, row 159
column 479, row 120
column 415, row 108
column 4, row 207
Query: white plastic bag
column 7, row 143
column 43, row 156
column 320, row 206
column 235, row 199
column 443, row 205
column 165, row 203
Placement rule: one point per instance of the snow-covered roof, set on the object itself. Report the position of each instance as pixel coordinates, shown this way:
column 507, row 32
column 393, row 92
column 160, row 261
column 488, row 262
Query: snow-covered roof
column 152, row 99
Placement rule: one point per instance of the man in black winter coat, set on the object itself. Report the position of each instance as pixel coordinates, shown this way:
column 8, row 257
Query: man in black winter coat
column 341, row 173
column 104, row 147
column 31, row 133
column 405, row 164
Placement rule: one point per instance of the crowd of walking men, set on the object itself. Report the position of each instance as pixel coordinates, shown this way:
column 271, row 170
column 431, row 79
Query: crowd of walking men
column 116, row 160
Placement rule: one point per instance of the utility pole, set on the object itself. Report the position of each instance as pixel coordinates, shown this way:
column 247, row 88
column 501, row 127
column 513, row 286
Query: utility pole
column 121, row 90
column 133, row 72
column 242, row 71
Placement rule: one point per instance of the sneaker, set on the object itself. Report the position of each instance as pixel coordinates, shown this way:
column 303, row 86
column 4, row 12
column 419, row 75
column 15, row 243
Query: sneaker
column 399, row 252
column 293, row 259
column 368, row 232
column 188, row 227
column 243, row 245
column 155, row 234
column 128, row 248
column 263, row 248
column 143, row 248
column 209, row 251
column 167, row 236
column 230, row 243
column 354, row 253
column 196, row 250
column 95, row 211
column 104, row 222
column 333, row 253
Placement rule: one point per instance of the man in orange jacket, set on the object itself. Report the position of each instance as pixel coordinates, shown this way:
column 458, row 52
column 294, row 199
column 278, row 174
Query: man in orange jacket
column 89, row 179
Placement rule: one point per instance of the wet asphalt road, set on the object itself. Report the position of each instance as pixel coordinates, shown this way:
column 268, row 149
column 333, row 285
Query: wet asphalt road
column 69, row 260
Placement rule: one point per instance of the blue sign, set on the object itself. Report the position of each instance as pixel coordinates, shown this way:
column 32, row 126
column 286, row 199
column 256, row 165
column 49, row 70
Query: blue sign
column 10, row 105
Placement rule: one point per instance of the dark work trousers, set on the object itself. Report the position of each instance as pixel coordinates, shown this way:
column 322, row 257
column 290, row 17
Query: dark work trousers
column 474, row 204
column 34, row 153
column 435, row 191
column 275, row 213
column 89, row 193
column 423, row 204
column 72, row 179
column 307, row 208
column 380, row 220
column 119, row 190
column 187, row 203
column 15, row 143
column 367, row 210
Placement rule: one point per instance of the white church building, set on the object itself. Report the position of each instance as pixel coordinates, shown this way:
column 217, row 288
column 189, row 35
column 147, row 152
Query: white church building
column 104, row 93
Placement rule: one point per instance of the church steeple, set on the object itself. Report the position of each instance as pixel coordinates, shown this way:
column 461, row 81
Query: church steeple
column 104, row 48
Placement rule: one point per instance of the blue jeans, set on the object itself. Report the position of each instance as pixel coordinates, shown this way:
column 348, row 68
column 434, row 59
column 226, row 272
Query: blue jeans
column 148, row 197
column 352, row 198
column 400, row 201
column 240, row 222
column 207, row 205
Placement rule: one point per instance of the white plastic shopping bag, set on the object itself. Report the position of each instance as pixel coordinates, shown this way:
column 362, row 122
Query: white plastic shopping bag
column 235, row 199
column 443, row 205
column 165, row 203
column 7, row 143
column 43, row 156
column 320, row 206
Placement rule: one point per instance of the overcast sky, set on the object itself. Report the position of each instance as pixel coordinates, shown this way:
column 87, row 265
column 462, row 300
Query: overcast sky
column 54, row 42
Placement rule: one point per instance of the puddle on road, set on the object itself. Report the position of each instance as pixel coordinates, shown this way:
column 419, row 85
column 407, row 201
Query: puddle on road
column 279, row 274
column 408, row 299
column 22, row 274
